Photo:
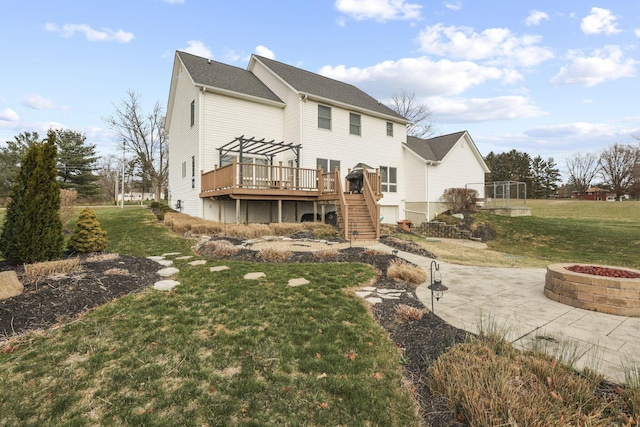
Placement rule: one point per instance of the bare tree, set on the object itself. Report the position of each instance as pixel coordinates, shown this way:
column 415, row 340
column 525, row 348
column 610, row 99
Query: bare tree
column 582, row 169
column 107, row 171
column 145, row 137
column 420, row 115
column 618, row 165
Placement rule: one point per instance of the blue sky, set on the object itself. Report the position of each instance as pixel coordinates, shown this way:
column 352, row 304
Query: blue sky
column 550, row 78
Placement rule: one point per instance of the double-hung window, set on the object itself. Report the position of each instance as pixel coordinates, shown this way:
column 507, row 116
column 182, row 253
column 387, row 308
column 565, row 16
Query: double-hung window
column 193, row 112
column 389, row 129
column 324, row 117
column 354, row 123
column 389, row 177
column 328, row 165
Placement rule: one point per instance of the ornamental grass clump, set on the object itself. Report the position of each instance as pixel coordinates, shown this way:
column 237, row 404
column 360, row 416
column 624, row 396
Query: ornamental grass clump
column 405, row 272
column 88, row 235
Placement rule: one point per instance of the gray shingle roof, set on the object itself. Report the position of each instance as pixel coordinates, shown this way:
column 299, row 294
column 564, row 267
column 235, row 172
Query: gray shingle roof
column 315, row 84
column 216, row 74
column 434, row 149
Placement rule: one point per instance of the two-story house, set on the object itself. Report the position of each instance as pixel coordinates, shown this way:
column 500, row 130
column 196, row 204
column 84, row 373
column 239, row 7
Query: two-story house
column 273, row 142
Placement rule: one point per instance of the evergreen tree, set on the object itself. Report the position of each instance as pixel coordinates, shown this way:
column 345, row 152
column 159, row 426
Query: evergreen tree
column 10, row 157
column 88, row 235
column 32, row 228
column 76, row 163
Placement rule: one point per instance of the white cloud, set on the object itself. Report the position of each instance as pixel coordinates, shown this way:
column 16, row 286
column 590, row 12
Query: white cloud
column 341, row 21
column 637, row 32
column 601, row 21
column 379, row 10
column 496, row 46
column 8, row 115
column 196, row 47
column 174, row 1
column 266, row 52
column 38, row 102
column 425, row 76
column 457, row 110
column 105, row 34
column 565, row 130
column 602, row 65
column 457, row 5
column 535, row 17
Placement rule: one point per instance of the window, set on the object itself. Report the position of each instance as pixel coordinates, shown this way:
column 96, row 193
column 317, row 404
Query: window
column 328, row 165
column 354, row 124
column 184, row 169
column 324, row 117
column 389, row 129
column 193, row 112
column 193, row 171
column 389, row 179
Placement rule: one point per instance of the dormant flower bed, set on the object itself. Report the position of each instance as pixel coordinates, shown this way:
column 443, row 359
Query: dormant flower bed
column 605, row 289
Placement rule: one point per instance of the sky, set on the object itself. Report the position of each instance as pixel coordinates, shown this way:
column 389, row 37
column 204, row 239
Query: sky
column 549, row 78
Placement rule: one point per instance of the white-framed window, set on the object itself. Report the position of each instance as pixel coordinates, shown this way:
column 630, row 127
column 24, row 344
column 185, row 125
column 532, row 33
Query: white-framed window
column 389, row 179
column 193, row 112
column 324, row 117
column 354, row 123
column 184, row 169
column 328, row 165
column 389, row 129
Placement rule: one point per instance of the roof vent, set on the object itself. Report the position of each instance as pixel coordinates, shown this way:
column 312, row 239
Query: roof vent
column 208, row 61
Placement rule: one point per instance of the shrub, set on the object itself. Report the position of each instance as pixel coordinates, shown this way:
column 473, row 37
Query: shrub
column 405, row 272
column 326, row 254
column 88, row 235
column 406, row 312
column 459, row 199
column 32, row 229
column 41, row 270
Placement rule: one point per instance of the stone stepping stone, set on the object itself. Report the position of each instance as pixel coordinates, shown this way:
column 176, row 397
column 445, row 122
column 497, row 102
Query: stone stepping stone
column 171, row 254
column 198, row 262
column 185, row 257
column 298, row 282
column 387, row 296
column 165, row 285
column 373, row 300
column 219, row 268
column 389, row 291
column 10, row 286
column 165, row 262
column 254, row 276
column 363, row 294
column 168, row 272
column 368, row 288
column 155, row 258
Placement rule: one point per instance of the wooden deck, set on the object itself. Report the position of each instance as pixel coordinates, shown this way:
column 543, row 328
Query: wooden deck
column 250, row 181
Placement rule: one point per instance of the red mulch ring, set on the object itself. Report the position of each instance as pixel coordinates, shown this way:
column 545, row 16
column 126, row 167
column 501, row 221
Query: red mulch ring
column 595, row 270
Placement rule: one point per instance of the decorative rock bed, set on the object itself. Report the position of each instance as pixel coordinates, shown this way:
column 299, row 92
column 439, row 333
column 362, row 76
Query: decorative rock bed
column 602, row 293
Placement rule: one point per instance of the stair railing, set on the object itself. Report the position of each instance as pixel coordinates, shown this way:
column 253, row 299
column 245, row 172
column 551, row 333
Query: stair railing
column 372, row 206
column 343, row 219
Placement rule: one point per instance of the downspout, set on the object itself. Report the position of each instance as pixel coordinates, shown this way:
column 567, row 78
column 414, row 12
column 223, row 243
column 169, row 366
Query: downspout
column 201, row 148
column 427, row 191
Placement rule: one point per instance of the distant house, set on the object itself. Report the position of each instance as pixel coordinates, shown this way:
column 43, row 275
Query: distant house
column 274, row 143
column 596, row 193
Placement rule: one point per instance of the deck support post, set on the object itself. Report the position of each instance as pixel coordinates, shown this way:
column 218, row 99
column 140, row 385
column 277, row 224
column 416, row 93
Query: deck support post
column 237, row 211
column 279, row 211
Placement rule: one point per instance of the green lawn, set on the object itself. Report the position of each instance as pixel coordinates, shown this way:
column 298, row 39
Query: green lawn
column 219, row 350
column 572, row 231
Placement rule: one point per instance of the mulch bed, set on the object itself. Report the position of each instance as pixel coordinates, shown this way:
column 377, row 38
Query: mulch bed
column 56, row 301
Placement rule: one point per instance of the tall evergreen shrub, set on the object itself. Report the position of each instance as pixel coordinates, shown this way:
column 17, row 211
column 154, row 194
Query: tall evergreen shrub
column 32, row 228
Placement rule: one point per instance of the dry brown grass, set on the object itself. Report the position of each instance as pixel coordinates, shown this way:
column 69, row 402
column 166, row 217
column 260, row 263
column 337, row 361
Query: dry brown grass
column 326, row 254
column 117, row 272
column 373, row 252
column 41, row 270
column 217, row 248
column 401, row 270
column 182, row 224
column 102, row 257
column 274, row 255
column 406, row 312
column 498, row 385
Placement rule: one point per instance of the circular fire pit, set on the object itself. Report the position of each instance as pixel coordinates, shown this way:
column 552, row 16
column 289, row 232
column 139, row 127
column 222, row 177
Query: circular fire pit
column 595, row 287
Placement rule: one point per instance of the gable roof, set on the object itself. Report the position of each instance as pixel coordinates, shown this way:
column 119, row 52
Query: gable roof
column 213, row 74
column 434, row 149
column 306, row 82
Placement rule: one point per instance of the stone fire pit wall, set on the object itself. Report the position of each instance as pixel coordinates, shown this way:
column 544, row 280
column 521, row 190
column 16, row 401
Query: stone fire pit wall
column 611, row 295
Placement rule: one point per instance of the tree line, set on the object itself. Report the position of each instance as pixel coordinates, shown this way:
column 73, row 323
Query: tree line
column 615, row 168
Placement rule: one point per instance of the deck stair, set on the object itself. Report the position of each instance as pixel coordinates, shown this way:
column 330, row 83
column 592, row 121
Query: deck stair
column 359, row 218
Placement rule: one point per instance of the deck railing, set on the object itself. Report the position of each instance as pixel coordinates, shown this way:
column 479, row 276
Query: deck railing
column 259, row 176
column 369, row 196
